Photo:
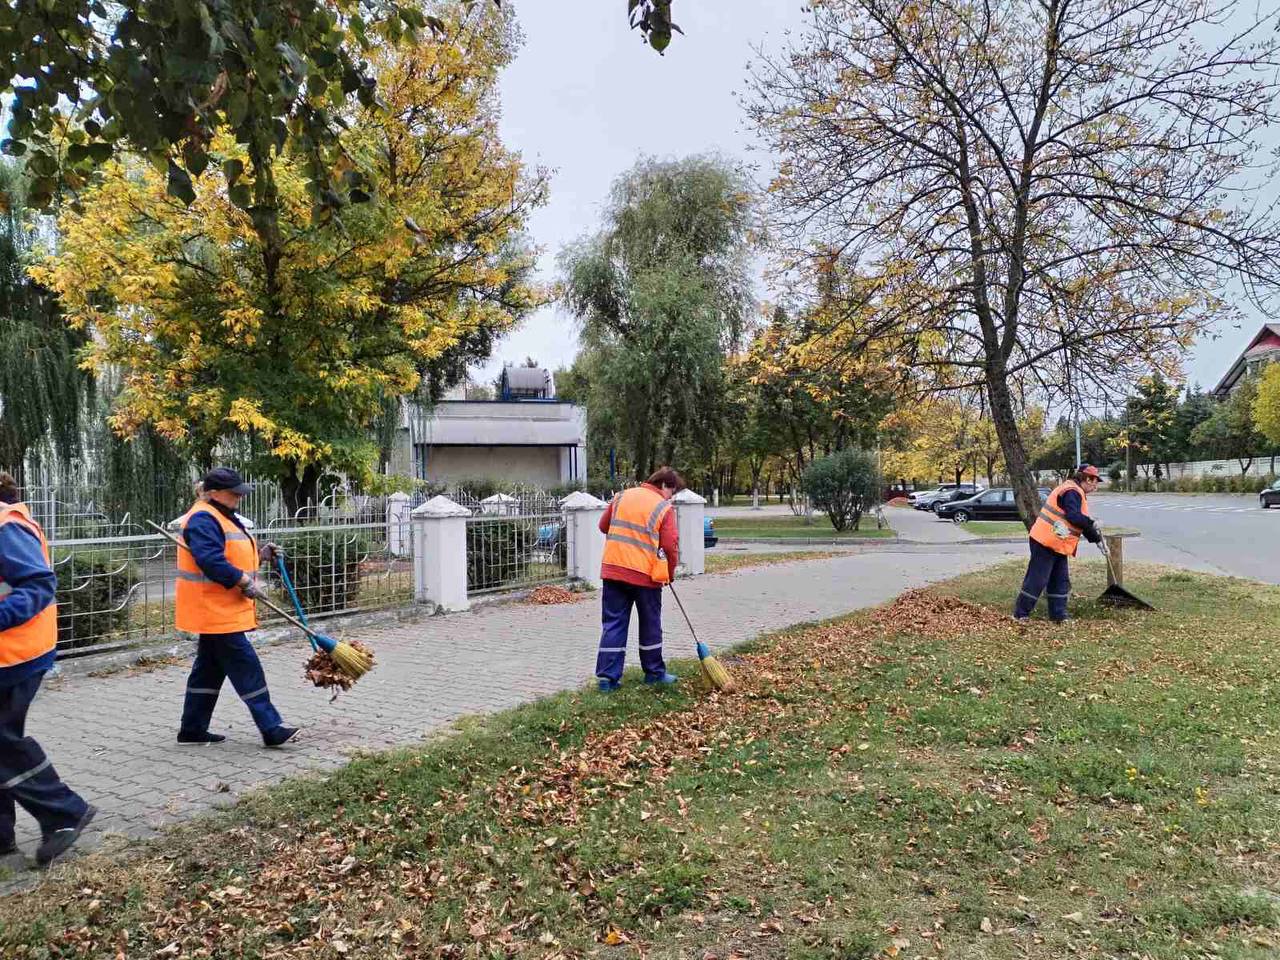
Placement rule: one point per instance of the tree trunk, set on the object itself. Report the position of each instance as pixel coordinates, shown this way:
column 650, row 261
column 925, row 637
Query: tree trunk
column 301, row 492
column 1015, row 454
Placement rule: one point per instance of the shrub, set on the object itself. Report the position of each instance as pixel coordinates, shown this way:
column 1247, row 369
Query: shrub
column 843, row 485
column 324, row 567
column 93, row 596
column 1115, row 472
column 498, row 551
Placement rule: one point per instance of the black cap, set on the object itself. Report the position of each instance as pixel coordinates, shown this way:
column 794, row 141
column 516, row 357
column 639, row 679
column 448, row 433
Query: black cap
column 224, row 478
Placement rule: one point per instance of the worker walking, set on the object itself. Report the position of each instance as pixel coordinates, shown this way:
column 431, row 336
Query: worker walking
column 28, row 641
column 216, row 588
column 640, row 555
column 1055, row 536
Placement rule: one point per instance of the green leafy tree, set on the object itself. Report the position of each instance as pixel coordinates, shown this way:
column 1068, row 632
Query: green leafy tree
column 1266, row 408
column 1152, row 420
column 166, row 76
column 662, row 293
column 1195, row 408
column 843, row 485
column 1231, row 431
column 43, row 392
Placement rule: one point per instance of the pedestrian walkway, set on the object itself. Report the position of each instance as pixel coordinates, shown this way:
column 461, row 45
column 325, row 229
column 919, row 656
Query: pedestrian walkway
column 112, row 738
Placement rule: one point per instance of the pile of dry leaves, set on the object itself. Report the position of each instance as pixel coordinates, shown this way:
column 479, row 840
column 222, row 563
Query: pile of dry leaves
column 939, row 617
column 324, row 673
column 545, row 596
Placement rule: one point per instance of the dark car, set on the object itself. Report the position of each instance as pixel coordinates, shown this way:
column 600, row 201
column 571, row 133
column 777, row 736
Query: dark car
column 994, row 504
column 945, row 493
column 1269, row 497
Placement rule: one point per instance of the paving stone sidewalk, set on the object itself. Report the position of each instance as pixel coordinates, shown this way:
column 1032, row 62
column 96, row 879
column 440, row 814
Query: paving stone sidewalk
column 112, row 738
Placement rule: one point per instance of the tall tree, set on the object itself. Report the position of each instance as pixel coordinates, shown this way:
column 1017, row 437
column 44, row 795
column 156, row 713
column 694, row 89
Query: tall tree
column 1151, row 420
column 305, row 344
column 1266, row 408
column 42, row 389
column 1033, row 195
column 662, row 293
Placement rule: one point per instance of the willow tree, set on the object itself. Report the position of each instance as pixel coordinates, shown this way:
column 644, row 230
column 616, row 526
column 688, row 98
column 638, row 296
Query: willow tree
column 42, row 389
column 300, row 341
column 663, row 294
column 1041, row 200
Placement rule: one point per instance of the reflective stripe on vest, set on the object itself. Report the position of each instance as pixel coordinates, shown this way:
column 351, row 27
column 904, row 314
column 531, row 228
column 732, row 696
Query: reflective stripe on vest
column 39, row 635
column 634, row 538
column 1043, row 530
column 203, row 606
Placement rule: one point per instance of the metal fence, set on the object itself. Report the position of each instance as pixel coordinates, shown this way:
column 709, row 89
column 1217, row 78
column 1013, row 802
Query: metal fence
column 118, row 591
column 515, row 543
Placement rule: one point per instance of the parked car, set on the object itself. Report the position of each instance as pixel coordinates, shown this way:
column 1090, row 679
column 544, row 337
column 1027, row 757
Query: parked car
column 994, row 504
column 926, row 500
column 963, row 492
column 1269, row 497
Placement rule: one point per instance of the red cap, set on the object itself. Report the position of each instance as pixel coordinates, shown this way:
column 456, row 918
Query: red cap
column 1089, row 470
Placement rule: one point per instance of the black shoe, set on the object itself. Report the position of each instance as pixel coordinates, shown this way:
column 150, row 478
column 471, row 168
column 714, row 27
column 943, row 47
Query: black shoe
column 279, row 736
column 59, row 842
column 199, row 739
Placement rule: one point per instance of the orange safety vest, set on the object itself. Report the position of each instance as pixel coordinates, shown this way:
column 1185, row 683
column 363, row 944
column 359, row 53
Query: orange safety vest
column 203, row 606
column 39, row 635
column 633, row 538
column 1052, row 529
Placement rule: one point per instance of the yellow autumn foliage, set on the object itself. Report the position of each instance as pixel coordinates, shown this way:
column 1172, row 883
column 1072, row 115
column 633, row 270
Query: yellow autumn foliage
column 216, row 334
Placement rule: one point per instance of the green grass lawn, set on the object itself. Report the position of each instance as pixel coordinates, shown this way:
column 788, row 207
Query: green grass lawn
column 995, row 528
column 783, row 527
column 926, row 780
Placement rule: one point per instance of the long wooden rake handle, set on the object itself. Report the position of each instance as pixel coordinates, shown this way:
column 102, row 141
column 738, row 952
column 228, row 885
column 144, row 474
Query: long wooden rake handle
column 263, row 600
column 672, row 587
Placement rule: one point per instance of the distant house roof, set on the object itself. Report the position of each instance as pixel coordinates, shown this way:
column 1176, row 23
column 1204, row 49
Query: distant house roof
column 1265, row 343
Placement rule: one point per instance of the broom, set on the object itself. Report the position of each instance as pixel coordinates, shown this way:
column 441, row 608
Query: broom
column 346, row 657
column 713, row 671
column 355, row 663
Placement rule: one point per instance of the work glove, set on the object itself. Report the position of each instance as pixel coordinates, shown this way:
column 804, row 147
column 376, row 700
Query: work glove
column 270, row 552
column 251, row 589
column 1093, row 533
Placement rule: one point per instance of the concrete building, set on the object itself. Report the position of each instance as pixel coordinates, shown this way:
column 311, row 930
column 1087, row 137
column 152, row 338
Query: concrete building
column 1262, row 349
column 531, row 438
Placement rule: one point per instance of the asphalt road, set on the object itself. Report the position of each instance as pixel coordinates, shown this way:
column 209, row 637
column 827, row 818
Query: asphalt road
column 1218, row 534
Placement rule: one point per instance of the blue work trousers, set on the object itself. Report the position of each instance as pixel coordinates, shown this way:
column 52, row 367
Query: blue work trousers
column 27, row 778
column 227, row 656
column 1046, row 573
column 617, row 599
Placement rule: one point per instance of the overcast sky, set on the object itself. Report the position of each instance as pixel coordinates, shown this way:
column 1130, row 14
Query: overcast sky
column 585, row 98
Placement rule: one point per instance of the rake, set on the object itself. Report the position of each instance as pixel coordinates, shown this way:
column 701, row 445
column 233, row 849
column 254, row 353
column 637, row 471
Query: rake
column 347, row 658
column 1116, row 595
column 713, row 671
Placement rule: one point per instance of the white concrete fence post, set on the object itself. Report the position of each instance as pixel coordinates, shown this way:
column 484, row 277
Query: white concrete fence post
column 398, row 515
column 440, row 554
column 584, row 544
column 690, row 510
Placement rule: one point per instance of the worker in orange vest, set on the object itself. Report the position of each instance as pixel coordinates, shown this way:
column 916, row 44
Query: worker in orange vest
column 28, row 642
column 217, row 583
column 640, row 554
column 1055, row 536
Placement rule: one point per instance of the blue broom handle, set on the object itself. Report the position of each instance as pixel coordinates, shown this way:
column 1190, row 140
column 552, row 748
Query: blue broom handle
column 293, row 595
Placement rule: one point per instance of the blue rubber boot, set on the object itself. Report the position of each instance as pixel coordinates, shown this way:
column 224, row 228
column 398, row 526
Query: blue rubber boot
column 609, row 686
column 665, row 679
